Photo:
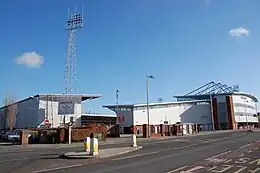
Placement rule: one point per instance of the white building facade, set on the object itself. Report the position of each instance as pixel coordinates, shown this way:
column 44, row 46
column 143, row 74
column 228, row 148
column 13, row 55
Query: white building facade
column 32, row 111
column 197, row 112
column 245, row 108
column 224, row 111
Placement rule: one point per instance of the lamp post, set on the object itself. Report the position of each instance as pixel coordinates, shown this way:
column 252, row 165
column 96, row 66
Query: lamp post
column 147, row 101
column 212, row 115
column 245, row 101
column 117, row 103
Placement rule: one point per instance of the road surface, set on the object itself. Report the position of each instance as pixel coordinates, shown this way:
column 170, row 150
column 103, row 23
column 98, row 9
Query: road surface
column 224, row 153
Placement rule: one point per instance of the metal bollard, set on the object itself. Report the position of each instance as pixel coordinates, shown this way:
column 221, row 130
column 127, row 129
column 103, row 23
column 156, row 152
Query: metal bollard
column 134, row 140
column 87, row 144
column 93, row 147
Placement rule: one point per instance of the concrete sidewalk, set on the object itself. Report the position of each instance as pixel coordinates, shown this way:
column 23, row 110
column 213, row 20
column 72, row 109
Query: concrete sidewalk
column 112, row 141
column 102, row 153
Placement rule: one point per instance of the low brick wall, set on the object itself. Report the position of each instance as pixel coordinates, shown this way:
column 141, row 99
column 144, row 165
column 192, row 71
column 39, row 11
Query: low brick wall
column 79, row 133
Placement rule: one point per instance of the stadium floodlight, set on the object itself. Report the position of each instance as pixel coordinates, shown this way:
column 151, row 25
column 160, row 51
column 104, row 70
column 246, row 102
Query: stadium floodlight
column 147, row 102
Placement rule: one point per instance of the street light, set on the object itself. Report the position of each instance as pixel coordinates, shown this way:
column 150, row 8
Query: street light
column 147, row 101
column 117, row 109
column 212, row 114
column 246, row 113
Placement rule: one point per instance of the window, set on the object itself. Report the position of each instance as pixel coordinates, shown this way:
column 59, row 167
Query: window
column 128, row 109
column 123, row 109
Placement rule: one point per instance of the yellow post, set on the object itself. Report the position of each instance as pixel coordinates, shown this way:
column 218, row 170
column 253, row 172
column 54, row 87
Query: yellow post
column 93, row 146
column 87, row 144
column 134, row 140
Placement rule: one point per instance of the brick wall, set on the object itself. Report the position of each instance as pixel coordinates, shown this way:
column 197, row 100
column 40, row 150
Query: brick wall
column 79, row 133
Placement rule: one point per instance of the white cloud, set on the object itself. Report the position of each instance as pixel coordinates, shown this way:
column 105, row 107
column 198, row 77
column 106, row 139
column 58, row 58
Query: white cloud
column 238, row 32
column 30, row 59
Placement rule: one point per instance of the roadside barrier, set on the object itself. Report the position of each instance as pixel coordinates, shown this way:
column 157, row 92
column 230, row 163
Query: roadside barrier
column 87, row 144
column 134, row 140
column 93, row 147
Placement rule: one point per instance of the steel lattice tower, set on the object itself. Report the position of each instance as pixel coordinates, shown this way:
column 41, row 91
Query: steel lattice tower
column 74, row 22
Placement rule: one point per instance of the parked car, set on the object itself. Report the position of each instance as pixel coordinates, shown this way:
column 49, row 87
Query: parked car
column 13, row 136
column 2, row 134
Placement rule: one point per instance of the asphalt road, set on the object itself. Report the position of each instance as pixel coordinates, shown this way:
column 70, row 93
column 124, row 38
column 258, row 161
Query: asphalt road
column 226, row 152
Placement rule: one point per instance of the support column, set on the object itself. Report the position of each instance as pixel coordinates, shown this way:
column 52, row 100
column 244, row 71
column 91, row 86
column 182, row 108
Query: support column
column 145, row 130
column 215, row 114
column 230, row 113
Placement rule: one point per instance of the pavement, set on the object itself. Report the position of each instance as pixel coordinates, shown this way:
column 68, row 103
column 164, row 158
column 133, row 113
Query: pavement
column 110, row 142
column 103, row 153
column 216, row 152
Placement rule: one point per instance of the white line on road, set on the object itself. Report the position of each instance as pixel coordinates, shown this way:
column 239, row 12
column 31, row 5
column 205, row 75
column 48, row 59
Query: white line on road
column 218, row 155
column 246, row 145
column 203, row 141
column 57, row 168
column 137, row 155
column 178, row 169
column 187, row 146
column 11, row 160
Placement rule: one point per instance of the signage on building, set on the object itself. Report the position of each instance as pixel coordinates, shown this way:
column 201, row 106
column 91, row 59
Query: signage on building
column 66, row 107
column 121, row 118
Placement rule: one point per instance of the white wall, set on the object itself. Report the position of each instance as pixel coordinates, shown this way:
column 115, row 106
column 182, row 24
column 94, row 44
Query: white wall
column 244, row 106
column 198, row 114
column 157, row 116
column 185, row 113
column 53, row 116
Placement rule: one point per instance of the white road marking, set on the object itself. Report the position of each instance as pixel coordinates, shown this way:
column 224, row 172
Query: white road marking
column 228, row 161
column 254, row 171
column 215, row 160
column 193, row 169
column 224, row 168
column 137, row 155
column 257, row 161
column 219, row 155
column 57, row 168
column 242, row 168
column 12, row 160
column 246, row 145
column 187, row 146
column 178, row 169
column 205, row 141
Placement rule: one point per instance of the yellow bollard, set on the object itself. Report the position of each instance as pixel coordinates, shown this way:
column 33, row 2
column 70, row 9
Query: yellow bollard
column 87, row 144
column 93, row 147
column 134, row 140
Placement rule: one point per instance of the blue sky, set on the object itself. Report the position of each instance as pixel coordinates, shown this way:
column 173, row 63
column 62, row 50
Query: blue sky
column 183, row 43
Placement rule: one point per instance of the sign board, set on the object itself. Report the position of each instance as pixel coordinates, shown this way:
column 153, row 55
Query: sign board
column 46, row 122
column 66, row 107
column 121, row 118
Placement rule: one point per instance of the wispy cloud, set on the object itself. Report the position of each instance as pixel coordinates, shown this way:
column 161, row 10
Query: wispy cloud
column 238, row 32
column 30, row 59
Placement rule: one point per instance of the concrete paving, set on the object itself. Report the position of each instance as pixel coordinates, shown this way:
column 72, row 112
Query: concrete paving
column 103, row 153
column 110, row 142
column 160, row 156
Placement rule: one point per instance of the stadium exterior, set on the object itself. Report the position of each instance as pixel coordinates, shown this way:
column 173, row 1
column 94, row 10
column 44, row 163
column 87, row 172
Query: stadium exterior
column 33, row 111
column 213, row 103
